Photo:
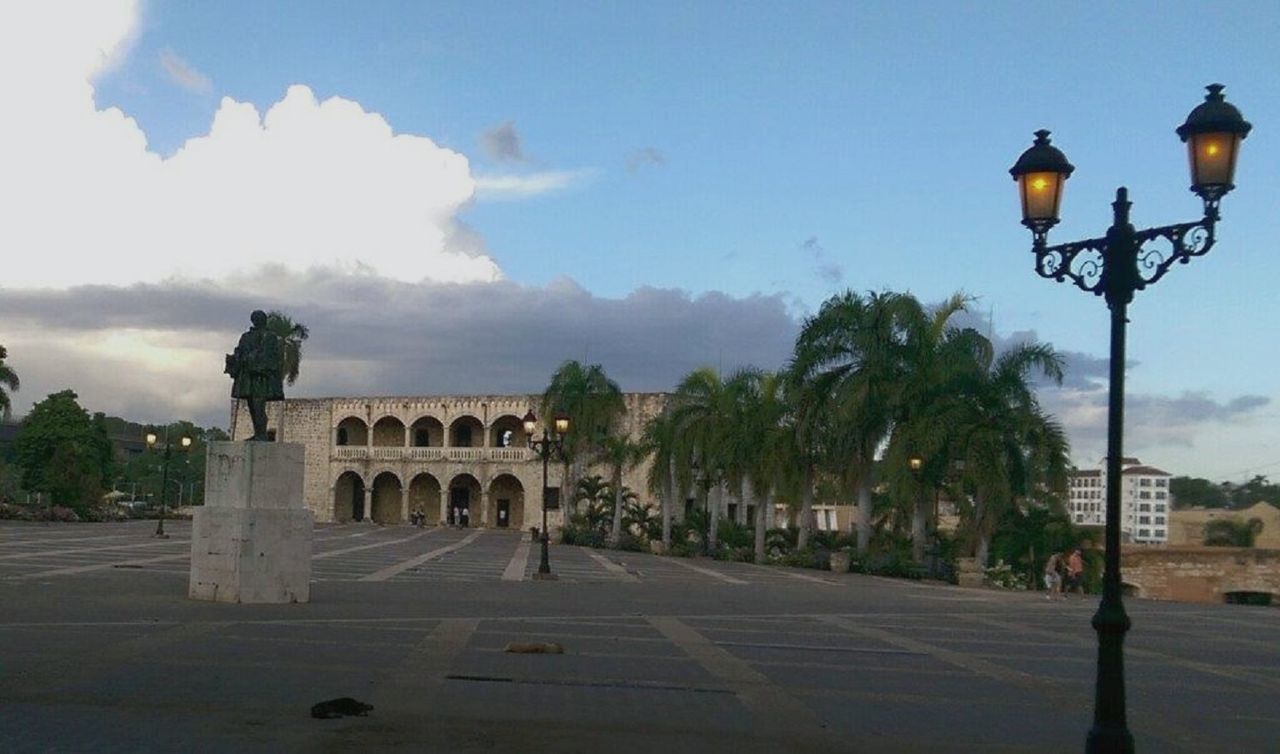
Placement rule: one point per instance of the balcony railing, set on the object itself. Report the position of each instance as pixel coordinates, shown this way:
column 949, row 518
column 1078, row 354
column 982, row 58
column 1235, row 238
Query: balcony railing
column 393, row 453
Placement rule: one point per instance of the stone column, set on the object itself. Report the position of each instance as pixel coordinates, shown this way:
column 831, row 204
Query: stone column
column 368, row 502
column 444, row 505
column 484, row 508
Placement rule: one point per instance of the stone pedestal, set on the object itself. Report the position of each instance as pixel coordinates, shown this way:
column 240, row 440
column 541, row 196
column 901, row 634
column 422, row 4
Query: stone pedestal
column 969, row 573
column 251, row 540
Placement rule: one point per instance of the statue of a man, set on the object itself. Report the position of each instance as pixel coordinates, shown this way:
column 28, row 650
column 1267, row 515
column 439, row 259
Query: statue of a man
column 256, row 372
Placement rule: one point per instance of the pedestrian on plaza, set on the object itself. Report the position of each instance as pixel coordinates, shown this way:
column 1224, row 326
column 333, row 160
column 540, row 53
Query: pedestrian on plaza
column 457, row 518
column 1075, row 572
column 1053, row 577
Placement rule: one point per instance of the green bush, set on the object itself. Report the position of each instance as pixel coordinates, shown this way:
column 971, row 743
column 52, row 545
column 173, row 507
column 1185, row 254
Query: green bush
column 734, row 535
column 632, row 543
column 809, row 557
column 1003, row 576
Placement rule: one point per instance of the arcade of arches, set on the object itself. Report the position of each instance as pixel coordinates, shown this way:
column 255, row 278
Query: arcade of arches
column 428, row 432
column 463, row 502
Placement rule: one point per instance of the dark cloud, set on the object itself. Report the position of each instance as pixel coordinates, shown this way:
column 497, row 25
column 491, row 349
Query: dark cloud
column 371, row 335
column 645, row 157
column 502, row 143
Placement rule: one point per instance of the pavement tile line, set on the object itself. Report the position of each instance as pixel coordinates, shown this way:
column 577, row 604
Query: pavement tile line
column 358, row 548
column 1235, row 674
column 613, row 568
column 775, row 710
column 1059, row 694
column 421, row 673
column 73, row 551
column 519, row 562
column 404, row 565
column 73, row 570
column 707, row 572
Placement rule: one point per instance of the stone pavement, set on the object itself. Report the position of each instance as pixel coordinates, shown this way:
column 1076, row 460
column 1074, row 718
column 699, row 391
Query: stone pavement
column 101, row 651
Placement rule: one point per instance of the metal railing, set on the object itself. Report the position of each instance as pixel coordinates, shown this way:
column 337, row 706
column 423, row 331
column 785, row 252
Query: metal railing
column 393, row 453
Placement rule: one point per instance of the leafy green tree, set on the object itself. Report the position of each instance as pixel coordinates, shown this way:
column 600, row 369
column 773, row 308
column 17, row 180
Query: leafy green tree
column 1230, row 532
column 640, row 516
column 659, row 444
column 702, row 413
column 64, row 452
column 621, row 453
column 761, row 446
column 851, row 352
column 291, row 335
column 1011, row 448
column 591, row 497
column 1194, row 492
column 1257, row 489
column 8, row 383
column 593, row 403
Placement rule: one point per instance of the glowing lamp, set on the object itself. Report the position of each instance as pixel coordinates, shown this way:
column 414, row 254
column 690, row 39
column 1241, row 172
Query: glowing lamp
column 1213, row 132
column 1040, row 173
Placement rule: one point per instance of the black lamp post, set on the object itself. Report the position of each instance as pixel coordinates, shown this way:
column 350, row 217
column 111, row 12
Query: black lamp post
column 184, row 444
column 550, row 444
column 1116, row 266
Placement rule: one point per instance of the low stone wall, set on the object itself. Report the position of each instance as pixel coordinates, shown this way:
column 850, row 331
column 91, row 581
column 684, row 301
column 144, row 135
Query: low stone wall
column 1198, row 573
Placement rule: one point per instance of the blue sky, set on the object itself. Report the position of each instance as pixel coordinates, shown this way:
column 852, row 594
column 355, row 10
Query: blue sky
column 785, row 152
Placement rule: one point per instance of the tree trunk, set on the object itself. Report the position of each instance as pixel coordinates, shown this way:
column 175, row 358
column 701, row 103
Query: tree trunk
column 919, row 517
column 713, row 517
column 806, row 509
column 863, row 518
column 762, row 524
column 979, row 530
column 668, row 504
column 615, row 534
column 984, row 547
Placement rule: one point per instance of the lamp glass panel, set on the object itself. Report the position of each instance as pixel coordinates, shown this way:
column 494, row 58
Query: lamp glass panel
column 562, row 424
column 1041, row 195
column 1213, row 158
column 151, row 439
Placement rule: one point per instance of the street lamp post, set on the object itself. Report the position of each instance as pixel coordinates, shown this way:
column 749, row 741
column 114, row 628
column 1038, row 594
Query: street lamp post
column 152, row 442
column 1116, row 266
column 551, row 444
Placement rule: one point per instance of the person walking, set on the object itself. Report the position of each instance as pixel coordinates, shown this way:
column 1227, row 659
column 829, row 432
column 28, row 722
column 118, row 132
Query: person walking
column 1075, row 573
column 1053, row 577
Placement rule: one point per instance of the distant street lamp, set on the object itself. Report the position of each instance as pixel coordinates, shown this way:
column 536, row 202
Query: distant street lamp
column 183, row 444
column 1115, row 266
column 550, row 444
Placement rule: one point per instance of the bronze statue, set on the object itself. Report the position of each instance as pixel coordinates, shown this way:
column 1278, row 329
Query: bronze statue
column 256, row 372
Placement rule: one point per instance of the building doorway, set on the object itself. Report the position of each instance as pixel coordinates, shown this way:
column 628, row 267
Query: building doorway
column 504, row 514
column 460, row 506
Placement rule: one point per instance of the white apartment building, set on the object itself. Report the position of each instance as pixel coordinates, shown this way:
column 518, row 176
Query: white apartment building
column 1144, row 500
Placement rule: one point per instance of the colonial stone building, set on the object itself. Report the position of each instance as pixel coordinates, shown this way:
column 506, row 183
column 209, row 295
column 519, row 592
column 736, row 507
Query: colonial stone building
column 458, row 459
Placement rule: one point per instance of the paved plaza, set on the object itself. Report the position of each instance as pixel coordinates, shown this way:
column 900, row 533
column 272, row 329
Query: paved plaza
column 102, row 652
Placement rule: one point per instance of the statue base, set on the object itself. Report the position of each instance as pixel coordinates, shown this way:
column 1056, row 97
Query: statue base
column 251, row 540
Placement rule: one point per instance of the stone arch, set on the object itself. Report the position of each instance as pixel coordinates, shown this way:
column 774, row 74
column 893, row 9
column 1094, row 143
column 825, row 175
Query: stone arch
column 426, row 432
column 351, row 431
column 465, row 494
column 1130, row 589
column 507, row 427
column 388, row 432
column 388, row 499
column 348, row 497
column 466, row 432
column 424, row 495
column 506, row 502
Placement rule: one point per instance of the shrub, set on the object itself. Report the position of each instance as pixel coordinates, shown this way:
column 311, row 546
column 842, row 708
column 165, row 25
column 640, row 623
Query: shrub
column 632, row 543
column 734, row 535
column 809, row 557
column 1003, row 576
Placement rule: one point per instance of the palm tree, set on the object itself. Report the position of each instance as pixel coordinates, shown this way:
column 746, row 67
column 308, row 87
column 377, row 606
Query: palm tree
column 761, row 448
column 810, row 431
column 621, row 453
column 936, row 357
column 1011, row 448
column 291, row 335
column 703, row 410
column 8, row 379
column 659, row 443
column 593, row 403
column 594, row 493
column 851, row 352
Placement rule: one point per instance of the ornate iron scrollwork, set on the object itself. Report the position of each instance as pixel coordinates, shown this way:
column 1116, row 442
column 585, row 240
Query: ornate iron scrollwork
column 1085, row 263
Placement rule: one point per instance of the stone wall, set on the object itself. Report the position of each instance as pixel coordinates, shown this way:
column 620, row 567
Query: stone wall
column 314, row 423
column 1199, row 574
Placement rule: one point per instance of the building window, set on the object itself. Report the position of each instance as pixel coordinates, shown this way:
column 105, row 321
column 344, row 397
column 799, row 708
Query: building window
column 1144, row 507
column 342, row 436
column 1161, row 495
column 1144, row 519
column 1162, row 482
column 1144, row 495
column 1144, row 533
column 1159, row 521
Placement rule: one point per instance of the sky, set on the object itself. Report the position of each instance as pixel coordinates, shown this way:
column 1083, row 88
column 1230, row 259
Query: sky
column 457, row 196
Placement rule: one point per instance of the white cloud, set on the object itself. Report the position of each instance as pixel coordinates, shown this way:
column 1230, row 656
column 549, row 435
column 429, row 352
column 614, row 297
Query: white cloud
column 183, row 73
column 496, row 187
column 309, row 183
